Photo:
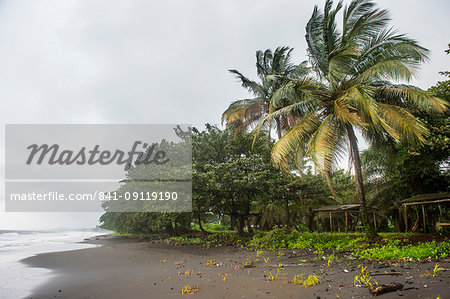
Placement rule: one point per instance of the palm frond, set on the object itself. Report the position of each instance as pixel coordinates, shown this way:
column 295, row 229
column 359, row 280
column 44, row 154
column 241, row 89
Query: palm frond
column 238, row 109
column 316, row 44
column 408, row 128
column 295, row 138
column 253, row 87
column 407, row 95
column 344, row 112
column 326, row 143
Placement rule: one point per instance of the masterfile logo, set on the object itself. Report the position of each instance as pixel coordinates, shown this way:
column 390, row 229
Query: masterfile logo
column 122, row 168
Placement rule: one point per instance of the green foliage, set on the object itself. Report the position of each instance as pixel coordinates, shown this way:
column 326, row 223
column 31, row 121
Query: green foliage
column 433, row 249
column 274, row 69
column 279, row 238
column 405, row 171
column 215, row 239
column 232, row 176
column 146, row 223
column 211, row 227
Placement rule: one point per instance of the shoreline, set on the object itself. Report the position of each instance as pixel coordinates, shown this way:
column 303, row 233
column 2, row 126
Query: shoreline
column 136, row 268
column 17, row 280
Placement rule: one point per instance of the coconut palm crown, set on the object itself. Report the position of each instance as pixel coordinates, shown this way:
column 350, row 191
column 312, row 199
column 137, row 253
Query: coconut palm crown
column 352, row 87
column 274, row 69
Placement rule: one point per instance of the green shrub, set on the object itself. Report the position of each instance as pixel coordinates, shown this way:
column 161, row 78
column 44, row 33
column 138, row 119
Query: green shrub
column 433, row 249
column 281, row 238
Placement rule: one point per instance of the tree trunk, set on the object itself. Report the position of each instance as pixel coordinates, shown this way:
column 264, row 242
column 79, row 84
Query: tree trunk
column 330, row 186
column 233, row 221
column 169, row 229
column 368, row 227
column 200, row 223
column 241, row 225
column 278, row 128
column 286, row 211
column 249, row 226
column 285, row 198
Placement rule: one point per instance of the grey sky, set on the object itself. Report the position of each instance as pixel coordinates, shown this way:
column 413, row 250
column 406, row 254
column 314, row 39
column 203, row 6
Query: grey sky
column 157, row 61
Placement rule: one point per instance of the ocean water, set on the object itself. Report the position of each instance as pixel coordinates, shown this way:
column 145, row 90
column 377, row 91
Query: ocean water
column 18, row 280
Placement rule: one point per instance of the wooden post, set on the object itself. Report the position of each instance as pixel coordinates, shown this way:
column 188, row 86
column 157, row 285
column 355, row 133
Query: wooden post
column 405, row 217
column 331, row 223
column 346, row 221
column 424, row 220
column 375, row 221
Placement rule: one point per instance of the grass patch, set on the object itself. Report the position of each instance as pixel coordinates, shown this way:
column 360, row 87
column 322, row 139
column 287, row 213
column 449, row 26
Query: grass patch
column 420, row 251
column 392, row 246
column 139, row 235
column 279, row 238
column 213, row 239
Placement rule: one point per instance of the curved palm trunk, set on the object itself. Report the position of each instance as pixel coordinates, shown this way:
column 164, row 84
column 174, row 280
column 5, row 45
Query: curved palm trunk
column 200, row 223
column 370, row 232
column 285, row 197
column 330, row 186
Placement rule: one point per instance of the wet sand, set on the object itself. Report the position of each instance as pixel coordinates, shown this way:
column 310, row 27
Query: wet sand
column 134, row 268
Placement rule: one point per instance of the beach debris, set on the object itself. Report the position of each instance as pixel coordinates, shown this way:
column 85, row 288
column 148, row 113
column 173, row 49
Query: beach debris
column 279, row 254
column 248, row 264
column 163, row 261
column 270, row 277
column 178, row 263
column 311, row 280
column 436, row 269
column 298, row 279
column 189, row 290
column 385, row 288
column 364, row 279
column 279, row 274
column 224, row 276
column 210, row 263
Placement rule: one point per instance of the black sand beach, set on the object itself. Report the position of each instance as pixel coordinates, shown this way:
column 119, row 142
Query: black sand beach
column 134, row 268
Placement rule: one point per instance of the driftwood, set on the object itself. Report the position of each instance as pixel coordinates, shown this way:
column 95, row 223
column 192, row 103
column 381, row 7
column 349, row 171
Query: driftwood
column 385, row 288
column 386, row 273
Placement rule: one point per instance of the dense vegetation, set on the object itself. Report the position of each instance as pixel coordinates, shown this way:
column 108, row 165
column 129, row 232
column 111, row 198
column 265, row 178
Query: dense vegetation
column 244, row 179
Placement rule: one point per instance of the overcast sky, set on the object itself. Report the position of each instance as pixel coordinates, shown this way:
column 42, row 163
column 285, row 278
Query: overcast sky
column 157, row 61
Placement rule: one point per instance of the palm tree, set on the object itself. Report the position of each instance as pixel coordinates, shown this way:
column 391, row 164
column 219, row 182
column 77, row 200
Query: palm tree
column 350, row 90
column 274, row 70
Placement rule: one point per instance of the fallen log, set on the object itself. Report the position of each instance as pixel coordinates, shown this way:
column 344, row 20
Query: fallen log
column 385, row 288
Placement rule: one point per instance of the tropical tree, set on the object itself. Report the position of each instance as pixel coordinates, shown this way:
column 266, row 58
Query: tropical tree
column 230, row 175
column 274, row 69
column 350, row 91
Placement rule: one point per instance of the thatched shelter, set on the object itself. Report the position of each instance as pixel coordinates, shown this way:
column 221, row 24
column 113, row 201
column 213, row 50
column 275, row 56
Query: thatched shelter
column 436, row 199
column 352, row 210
